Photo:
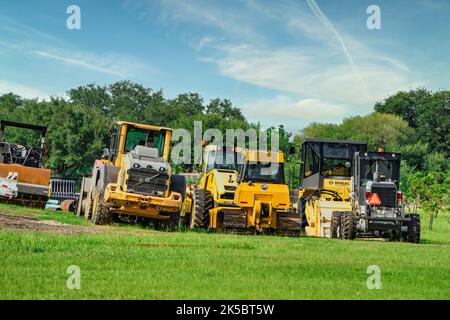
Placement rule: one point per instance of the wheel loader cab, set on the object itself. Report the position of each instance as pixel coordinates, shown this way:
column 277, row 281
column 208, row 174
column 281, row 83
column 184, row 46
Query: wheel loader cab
column 326, row 175
column 134, row 176
column 126, row 136
column 220, row 173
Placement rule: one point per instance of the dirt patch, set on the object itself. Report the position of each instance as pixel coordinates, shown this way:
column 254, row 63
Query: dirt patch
column 27, row 223
column 24, row 223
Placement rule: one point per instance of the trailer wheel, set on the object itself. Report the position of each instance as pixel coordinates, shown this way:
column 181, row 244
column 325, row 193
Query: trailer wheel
column 348, row 225
column 101, row 214
column 336, row 224
column 202, row 203
column 413, row 235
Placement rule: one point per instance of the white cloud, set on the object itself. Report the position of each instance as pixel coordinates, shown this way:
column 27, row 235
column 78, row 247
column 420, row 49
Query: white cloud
column 320, row 61
column 116, row 65
column 298, row 70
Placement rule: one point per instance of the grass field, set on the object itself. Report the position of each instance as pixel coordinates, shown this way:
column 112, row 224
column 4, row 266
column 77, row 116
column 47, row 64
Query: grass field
column 126, row 262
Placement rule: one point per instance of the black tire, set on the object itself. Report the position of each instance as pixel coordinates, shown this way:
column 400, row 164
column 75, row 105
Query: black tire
column 202, row 203
column 336, row 224
column 413, row 234
column 101, row 215
column 348, row 225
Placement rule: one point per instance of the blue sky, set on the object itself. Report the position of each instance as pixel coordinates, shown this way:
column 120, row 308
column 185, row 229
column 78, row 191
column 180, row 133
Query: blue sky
column 289, row 62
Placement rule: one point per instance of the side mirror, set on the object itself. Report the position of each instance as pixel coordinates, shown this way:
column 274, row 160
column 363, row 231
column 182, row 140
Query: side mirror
column 106, row 154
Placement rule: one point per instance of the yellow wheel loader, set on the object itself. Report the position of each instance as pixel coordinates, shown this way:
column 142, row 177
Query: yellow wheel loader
column 324, row 202
column 205, row 203
column 133, row 179
column 23, row 179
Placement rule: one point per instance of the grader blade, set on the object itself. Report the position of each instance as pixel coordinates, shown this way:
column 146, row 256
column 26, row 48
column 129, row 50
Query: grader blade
column 235, row 220
column 288, row 223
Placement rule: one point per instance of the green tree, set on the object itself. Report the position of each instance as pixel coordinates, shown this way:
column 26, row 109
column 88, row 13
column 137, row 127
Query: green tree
column 379, row 130
column 428, row 113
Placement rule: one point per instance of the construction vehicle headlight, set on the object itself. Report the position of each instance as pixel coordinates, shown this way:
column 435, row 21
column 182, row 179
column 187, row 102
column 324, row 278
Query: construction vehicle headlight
column 162, row 169
column 136, row 165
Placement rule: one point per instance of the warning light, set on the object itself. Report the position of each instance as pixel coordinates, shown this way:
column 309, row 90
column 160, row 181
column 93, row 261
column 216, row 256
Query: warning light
column 375, row 200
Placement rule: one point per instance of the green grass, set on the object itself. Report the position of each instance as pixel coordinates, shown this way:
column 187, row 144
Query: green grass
column 191, row 265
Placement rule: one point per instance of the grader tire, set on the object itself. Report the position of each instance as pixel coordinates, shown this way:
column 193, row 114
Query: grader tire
column 101, row 215
column 336, row 231
column 413, row 235
column 348, row 225
column 202, row 203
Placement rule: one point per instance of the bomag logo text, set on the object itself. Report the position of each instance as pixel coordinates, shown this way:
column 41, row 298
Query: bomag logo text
column 342, row 183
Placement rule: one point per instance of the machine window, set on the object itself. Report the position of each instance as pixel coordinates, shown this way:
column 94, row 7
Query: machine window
column 142, row 137
column 311, row 162
column 388, row 170
column 265, row 172
column 228, row 160
column 340, row 151
column 336, row 167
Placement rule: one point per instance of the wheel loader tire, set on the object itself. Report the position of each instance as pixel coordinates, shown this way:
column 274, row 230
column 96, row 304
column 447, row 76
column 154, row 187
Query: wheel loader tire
column 202, row 203
column 336, row 217
column 413, row 235
column 101, row 215
column 348, row 225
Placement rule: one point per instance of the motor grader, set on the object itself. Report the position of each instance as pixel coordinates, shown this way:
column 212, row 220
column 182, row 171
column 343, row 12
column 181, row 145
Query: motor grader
column 133, row 179
column 247, row 194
